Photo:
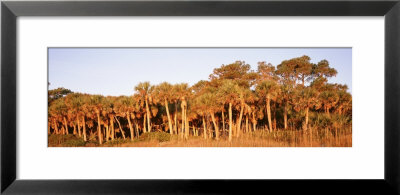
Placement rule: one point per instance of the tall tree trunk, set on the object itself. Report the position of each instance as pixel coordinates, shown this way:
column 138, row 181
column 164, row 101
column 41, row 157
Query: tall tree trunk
column 120, row 128
column 99, row 129
column 169, row 117
column 79, row 127
column 107, row 132
column 137, row 129
column 215, row 126
column 48, row 128
column 84, row 128
column 285, row 113
column 240, row 120
column 66, row 126
column 230, row 122
column 112, row 127
column 148, row 115
column 186, row 125
column 247, row 123
column 269, row 113
column 56, row 127
column 254, row 122
column 205, row 128
column 176, row 119
column 128, row 116
column 144, row 125
column 74, row 132
column 223, row 122
column 307, row 117
column 183, row 121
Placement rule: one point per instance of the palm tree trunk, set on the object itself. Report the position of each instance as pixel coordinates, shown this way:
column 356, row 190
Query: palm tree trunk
column 112, row 127
column 215, row 126
column 107, row 132
column 128, row 116
column 99, row 129
column 169, row 117
column 66, row 126
column 186, row 125
column 247, row 123
column 55, row 127
column 144, row 124
column 254, row 122
column 230, row 122
column 148, row 115
column 223, row 122
column 285, row 113
column 74, row 132
column 84, row 128
column 48, row 128
column 137, row 129
column 269, row 114
column 183, row 122
column 240, row 120
column 307, row 117
column 79, row 127
column 205, row 128
column 120, row 128
column 176, row 119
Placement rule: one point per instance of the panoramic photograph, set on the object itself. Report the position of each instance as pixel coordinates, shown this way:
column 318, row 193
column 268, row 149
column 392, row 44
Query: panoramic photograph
column 199, row 97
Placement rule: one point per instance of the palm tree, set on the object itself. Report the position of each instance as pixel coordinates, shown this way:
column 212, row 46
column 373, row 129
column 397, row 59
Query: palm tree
column 268, row 90
column 95, row 105
column 229, row 94
column 163, row 93
column 183, row 92
column 144, row 89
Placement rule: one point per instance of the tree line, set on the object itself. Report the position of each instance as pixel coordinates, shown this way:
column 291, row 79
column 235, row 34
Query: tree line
column 295, row 95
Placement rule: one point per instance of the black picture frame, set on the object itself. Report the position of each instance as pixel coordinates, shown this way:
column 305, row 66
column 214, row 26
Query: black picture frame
column 11, row 10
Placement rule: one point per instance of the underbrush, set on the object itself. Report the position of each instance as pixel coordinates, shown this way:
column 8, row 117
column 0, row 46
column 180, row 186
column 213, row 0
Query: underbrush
column 65, row 141
column 155, row 136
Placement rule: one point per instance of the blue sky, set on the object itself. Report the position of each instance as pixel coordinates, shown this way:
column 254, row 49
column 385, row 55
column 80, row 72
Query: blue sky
column 115, row 71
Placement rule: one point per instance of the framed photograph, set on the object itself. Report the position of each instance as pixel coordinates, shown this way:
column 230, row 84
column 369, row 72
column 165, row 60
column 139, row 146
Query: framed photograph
column 198, row 97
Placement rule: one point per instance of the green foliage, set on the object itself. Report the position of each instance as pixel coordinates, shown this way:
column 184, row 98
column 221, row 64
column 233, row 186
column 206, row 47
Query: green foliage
column 158, row 136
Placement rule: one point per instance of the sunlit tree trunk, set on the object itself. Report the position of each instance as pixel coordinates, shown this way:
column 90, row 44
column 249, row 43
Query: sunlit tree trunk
column 230, row 122
column 74, row 132
column 269, row 113
column 107, row 132
column 120, row 129
column 148, row 115
column 128, row 116
column 186, row 125
column 183, row 120
column 254, row 122
column 169, row 117
column 215, row 126
column 307, row 117
column 84, row 128
column 247, row 123
column 66, row 126
column 144, row 125
column 285, row 113
column 240, row 120
column 79, row 127
column 99, row 128
column 205, row 128
column 112, row 127
column 137, row 130
column 56, row 127
column 223, row 122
